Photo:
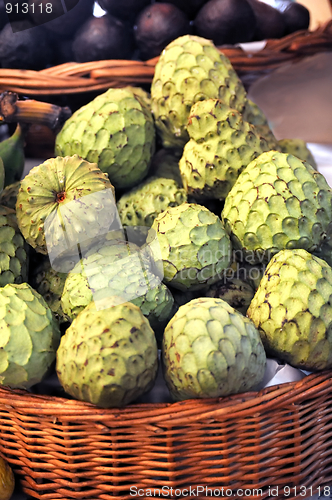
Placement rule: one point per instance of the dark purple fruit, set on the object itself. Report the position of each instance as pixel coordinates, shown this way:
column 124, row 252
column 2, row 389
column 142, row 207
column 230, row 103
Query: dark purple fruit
column 3, row 16
column 103, row 38
column 58, row 22
column 226, row 21
column 25, row 48
column 156, row 26
column 270, row 22
column 126, row 10
column 189, row 7
column 297, row 17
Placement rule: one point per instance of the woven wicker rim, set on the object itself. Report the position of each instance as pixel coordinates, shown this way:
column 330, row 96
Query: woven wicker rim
column 73, row 78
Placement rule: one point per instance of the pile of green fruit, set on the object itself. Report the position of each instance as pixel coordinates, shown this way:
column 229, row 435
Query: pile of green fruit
column 36, row 37
column 175, row 220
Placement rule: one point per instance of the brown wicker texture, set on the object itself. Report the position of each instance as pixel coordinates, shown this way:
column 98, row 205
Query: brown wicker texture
column 73, row 78
column 64, row 449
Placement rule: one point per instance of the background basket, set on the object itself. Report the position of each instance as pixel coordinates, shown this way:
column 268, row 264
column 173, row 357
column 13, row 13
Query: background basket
column 75, row 78
column 65, row 449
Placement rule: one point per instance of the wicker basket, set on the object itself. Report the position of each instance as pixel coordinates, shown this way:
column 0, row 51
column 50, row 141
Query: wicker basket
column 280, row 437
column 74, row 78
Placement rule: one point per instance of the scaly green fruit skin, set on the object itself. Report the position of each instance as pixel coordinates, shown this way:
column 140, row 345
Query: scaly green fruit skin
column 298, row 148
column 49, row 189
column 211, row 350
column 236, row 292
column 292, row 309
column 8, row 197
column 278, row 202
column 13, row 250
column 108, row 357
column 254, row 115
column 12, row 155
column 190, row 69
column 116, row 131
column 141, row 205
column 165, row 164
column 195, row 247
column 29, row 337
column 221, row 145
column 2, row 176
column 117, row 268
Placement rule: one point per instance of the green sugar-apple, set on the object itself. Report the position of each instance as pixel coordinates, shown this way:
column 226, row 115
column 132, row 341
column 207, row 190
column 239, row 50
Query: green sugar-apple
column 254, row 115
column 8, row 196
column 141, row 205
column 292, row 309
column 190, row 69
column 73, row 197
column 194, row 245
column 235, row 291
column 29, row 336
column 108, row 357
column 117, row 268
column 13, row 250
column 211, row 350
column 2, row 175
column 165, row 163
column 221, row 145
column 278, row 202
column 298, row 148
column 116, row 131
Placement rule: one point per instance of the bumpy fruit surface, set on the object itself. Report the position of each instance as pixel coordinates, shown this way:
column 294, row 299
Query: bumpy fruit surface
column 141, row 205
column 116, row 131
column 190, row 69
column 211, row 350
column 221, row 145
column 254, row 115
column 236, row 292
column 29, row 336
column 8, row 196
column 108, row 357
column 50, row 192
column 122, row 269
column 165, row 164
column 278, row 202
column 195, row 247
column 292, row 309
column 13, row 250
column 2, row 175
column 298, row 148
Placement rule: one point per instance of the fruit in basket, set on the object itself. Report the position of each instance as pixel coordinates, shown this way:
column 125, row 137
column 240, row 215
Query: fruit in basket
column 8, row 196
column 126, row 9
column 12, row 155
column 13, row 250
column 278, row 202
column 108, row 357
column 221, row 145
column 296, row 16
column 298, row 148
column 292, row 309
column 116, row 131
column 194, row 245
column 62, row 202
column 190, row 8
column 141, row 205
column 226, row 21
column 156, row 26
column 190, row 69
column 165, row 164
column 7, row 480
column 102, row 38
column 270, row 23
column 117, row 268
column 254, row 115
column 211, row 350
column 236, row 292
column 29, row 337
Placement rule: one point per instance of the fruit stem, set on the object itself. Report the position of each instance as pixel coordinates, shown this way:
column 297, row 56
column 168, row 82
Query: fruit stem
column 30, row 111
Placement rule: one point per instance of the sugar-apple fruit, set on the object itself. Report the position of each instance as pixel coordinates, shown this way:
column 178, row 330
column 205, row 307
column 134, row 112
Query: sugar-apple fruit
column 29, row 336
column 254, row 115
column 292, row 309
column 298, row 148
column 194, row 245
column 221, row 145
column 211, row 350
column 116, row 131
column 165, row 164
column 8, row 196
column 13, row 250
column 108, row 357
column 278, row 202
column 190, row 69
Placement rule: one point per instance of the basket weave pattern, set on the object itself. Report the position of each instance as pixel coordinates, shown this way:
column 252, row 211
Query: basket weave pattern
column 65, row 449
column 73, row 78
